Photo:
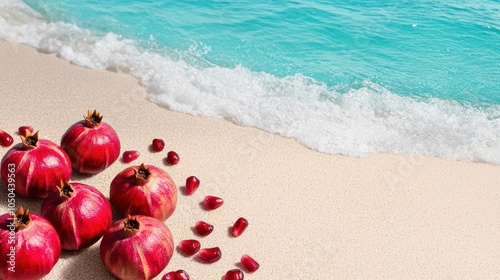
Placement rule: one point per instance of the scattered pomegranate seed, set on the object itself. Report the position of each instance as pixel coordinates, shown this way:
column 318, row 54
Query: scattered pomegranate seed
column 192, row 184
column 158, row 145
column 239, row 227
column 249, row 263
column 234, row 274
column 181, row 275
column 210, row 255
column 5, row 139
column 130, row 156
column 189, row 246
column 22, row 130
column 176, row 275
column 169, row 276
column 172, row 158
column 203, row 228
column 212, row 202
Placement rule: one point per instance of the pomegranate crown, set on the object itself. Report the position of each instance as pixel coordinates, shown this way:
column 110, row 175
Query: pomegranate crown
column 142, row 174
column 21, row 218
column 30, row 140
column 92, row 119
column 65, row 190
column 131, row 225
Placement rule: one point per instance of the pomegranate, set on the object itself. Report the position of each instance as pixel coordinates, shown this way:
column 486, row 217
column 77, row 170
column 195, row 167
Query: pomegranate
column 239, row 227
column 138, row 247
column 192, row 184
column 29, row 245
column 144, row 190
column 35, row 166
column 80, row 214
column 91, row 144
column 189, row 246
column 5, row 139
column 249, row 263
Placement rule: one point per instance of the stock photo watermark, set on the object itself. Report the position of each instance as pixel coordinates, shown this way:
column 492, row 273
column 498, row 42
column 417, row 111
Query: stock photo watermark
column 406, row 168
column 11, row 205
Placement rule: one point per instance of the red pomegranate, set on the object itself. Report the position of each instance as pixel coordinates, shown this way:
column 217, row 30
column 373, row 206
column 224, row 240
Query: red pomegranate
column 143, row 190
column 80, row 213
column 138, row 247
column 35, row 166
column 29, row 246
column 92, row 145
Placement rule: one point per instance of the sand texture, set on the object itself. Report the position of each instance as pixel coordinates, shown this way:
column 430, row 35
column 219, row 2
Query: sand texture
column 311, row 215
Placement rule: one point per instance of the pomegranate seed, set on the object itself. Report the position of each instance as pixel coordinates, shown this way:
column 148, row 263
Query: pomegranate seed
column 203, row 228
column 5, row 139
column 130, row 156
column 169, row 276
column 172, row 158
column 212, row 202
column 22, row 130
column 249, row 263
column 158, row 145
column 176, row 275
column 234, row 274
column 239, row 227
column 210, row 255
column 192, row 184
column 189, row 246
column 181, row 275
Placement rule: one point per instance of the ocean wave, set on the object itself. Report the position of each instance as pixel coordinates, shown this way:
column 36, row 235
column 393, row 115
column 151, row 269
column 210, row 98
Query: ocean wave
column 364, row 118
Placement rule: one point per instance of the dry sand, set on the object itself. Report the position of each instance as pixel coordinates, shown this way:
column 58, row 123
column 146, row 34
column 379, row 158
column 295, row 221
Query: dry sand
column 312, row 215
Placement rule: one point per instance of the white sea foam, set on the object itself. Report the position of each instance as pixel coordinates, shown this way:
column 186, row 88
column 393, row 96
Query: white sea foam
column 364, row 119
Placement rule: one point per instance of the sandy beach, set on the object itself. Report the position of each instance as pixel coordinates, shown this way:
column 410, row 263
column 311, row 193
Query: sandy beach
column 311, row 215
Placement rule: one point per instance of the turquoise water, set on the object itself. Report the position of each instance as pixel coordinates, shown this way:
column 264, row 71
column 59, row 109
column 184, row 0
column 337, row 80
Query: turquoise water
column 445, row 49
column 350, row 77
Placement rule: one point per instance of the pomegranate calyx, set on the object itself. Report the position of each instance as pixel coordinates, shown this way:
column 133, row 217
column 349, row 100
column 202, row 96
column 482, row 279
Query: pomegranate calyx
column 142, row 174
column 30, row 140
column 65, row 190
column 21, row 218
column 131, row 226
column 92, row 119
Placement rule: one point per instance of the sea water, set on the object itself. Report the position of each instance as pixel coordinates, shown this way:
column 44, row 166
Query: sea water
column 349, row 77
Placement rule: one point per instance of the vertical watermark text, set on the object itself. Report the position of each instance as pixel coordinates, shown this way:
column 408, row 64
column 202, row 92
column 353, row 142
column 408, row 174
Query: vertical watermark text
column 11, row 205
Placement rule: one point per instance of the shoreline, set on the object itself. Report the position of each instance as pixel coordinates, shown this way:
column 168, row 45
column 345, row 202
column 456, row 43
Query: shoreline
column 311, row 214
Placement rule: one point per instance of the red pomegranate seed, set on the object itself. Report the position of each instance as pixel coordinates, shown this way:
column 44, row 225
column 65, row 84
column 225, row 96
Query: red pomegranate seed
column 5, row 139
column 176, row 275
column 239, row 227
column 189, row 246
column 130, row 156
column 212, row 202
column 192, row 184
column 181, row 275
column 234, row 274
column 172, row 158
column 203, row 228
column 210, row 255
column 158, row 145
column 249, row 263
column 169, row 276
column 22, row 130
